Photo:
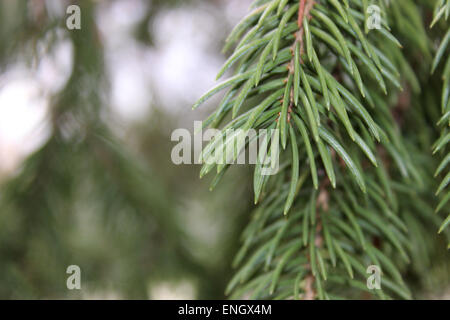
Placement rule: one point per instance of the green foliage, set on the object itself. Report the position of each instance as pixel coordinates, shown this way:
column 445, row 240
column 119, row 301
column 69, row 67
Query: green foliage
column 90, row 198
column 79, row 180
column 443, row 57
column 354, row 186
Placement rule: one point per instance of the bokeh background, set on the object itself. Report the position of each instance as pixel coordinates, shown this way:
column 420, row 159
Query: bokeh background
column 86, row 176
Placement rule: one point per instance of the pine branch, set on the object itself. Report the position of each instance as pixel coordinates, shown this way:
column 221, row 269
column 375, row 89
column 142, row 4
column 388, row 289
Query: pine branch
column 328, row 88
column 443, row 9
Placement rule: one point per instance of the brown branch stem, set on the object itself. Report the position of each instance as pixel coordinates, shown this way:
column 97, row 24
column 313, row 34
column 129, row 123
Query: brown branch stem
column 304, row 10
column 301, row 13
column 322, row 204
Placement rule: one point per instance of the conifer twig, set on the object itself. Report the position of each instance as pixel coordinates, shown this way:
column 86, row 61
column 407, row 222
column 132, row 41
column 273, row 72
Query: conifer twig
column 322, row 204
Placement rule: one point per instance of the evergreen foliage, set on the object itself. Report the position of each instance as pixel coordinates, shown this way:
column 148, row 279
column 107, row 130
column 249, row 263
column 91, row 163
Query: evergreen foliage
column 356, row 109
column 442, row 56
column 87, row 196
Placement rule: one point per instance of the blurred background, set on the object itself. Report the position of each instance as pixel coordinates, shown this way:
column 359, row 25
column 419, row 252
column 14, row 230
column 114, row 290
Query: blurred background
column 85, row 171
